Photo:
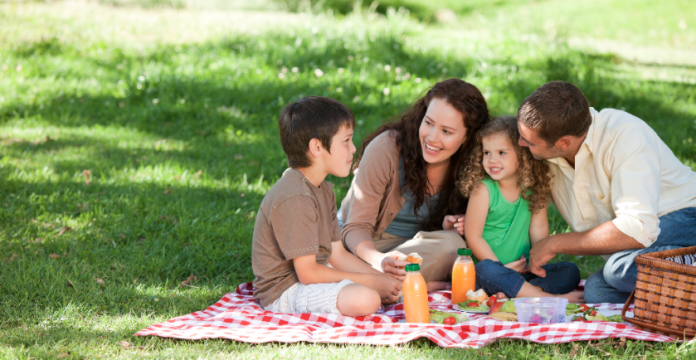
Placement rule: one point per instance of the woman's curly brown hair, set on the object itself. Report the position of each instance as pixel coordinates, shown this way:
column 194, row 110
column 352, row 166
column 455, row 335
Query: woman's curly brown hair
column 467, row 99
column 534, row 175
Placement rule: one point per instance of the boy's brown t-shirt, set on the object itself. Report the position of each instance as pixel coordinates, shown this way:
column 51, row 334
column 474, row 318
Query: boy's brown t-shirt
column 295, row 219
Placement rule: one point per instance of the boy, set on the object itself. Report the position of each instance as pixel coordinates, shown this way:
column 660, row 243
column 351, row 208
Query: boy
column 297, row 256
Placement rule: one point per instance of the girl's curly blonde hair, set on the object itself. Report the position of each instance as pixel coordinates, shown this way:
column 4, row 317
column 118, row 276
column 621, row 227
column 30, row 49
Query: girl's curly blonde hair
column 534, row 175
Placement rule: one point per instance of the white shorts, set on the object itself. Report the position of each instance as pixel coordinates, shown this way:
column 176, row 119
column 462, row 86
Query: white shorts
column 313, row 298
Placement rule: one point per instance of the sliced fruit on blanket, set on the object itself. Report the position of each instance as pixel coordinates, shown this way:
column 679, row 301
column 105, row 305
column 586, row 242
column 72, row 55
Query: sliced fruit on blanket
column 503, row 306
column 504, row 316
column 509, row 306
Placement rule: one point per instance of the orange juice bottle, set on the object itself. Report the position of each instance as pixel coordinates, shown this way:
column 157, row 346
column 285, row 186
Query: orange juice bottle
column 415, row 296
column 463, row 276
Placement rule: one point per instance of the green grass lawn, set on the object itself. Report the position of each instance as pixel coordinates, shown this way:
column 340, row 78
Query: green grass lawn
column 137, row 143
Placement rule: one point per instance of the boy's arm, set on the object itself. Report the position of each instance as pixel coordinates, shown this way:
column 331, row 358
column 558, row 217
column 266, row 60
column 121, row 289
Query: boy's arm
column 387, row 287
column 539, row 226
column 310, row 272
column 476, row 214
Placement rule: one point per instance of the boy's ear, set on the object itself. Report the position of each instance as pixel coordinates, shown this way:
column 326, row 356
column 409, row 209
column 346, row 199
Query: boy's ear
column 315, row 148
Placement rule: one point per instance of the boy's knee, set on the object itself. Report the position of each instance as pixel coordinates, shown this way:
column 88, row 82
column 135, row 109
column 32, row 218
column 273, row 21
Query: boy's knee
column 358, row 300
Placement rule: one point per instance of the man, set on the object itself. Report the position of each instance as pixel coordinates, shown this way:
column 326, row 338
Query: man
column 615, row 182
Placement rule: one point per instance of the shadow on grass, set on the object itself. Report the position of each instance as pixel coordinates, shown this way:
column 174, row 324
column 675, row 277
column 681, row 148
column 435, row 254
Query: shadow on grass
column 233, row 94
column 140, row 241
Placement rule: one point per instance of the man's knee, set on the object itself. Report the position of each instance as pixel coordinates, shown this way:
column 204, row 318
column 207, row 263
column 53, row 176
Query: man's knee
column 593, row 286
column 612, row 274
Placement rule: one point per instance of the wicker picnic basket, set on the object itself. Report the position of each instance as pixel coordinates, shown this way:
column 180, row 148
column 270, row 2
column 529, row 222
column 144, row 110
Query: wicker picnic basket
column 665, row 295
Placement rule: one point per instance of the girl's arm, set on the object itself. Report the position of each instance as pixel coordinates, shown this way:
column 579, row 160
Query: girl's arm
column 539, row 226
column 476, row 214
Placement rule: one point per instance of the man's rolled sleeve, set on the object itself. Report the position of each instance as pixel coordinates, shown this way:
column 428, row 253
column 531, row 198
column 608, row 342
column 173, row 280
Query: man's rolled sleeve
column 634, row 228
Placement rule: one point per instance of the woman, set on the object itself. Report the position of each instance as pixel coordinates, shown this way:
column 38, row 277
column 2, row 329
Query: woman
column 404, row 184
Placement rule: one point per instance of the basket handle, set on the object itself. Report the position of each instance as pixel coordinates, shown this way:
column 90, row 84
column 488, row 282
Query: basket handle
column 626, row 305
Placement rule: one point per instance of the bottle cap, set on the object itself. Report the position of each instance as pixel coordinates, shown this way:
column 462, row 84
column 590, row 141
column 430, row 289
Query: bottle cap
column 464, row 252
column 412, row 267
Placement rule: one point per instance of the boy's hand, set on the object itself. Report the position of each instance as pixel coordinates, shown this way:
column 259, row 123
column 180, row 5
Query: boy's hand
column 454, row 223
column 387, row 287
column 390, row 264
column 519, row 265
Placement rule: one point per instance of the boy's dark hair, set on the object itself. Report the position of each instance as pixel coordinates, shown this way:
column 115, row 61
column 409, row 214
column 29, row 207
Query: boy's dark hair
column 554, row 110
column 312, row 117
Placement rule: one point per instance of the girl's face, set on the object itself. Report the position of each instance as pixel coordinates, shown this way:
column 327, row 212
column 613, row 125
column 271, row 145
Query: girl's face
column 499, row 157
column 441, row 132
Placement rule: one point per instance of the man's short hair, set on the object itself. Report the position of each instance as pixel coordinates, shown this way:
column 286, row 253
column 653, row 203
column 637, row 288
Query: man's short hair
column 312, row 117
column 554, row 110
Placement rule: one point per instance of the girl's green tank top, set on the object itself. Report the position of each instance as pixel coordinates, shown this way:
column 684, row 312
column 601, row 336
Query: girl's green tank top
column 507, row 225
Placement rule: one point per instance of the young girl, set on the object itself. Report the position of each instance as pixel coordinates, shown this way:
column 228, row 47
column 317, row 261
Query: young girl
column 508, row 194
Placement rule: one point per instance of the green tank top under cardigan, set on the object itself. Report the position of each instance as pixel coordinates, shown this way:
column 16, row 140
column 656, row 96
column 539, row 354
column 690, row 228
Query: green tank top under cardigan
column 507, row 225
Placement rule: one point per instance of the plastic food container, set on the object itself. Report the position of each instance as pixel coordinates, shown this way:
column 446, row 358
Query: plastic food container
column 544, row 310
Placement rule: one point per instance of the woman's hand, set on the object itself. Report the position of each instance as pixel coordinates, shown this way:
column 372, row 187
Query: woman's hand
column 454, row 223
column 391, row 263
column 519, row 265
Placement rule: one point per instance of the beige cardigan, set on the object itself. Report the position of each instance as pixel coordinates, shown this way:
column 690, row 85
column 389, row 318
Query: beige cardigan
column 374, row 198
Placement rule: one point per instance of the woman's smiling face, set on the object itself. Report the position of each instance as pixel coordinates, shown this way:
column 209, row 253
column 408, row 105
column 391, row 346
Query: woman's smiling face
column 441, row 132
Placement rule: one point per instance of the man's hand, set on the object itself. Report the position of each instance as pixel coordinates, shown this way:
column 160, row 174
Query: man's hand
column 390, row 264
column 387, row 287
column 519, row 265
column 540, row 255
column 454, row 223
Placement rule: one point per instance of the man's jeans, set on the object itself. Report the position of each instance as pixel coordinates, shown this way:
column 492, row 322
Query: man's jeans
column 494, row 277
column 615, row 282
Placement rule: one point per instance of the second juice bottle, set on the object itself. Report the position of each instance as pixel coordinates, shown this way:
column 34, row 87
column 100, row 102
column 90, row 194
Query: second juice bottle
column 463, row 276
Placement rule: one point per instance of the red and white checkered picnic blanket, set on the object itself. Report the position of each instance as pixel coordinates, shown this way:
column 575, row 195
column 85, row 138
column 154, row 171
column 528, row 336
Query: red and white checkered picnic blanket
column 238, row 316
